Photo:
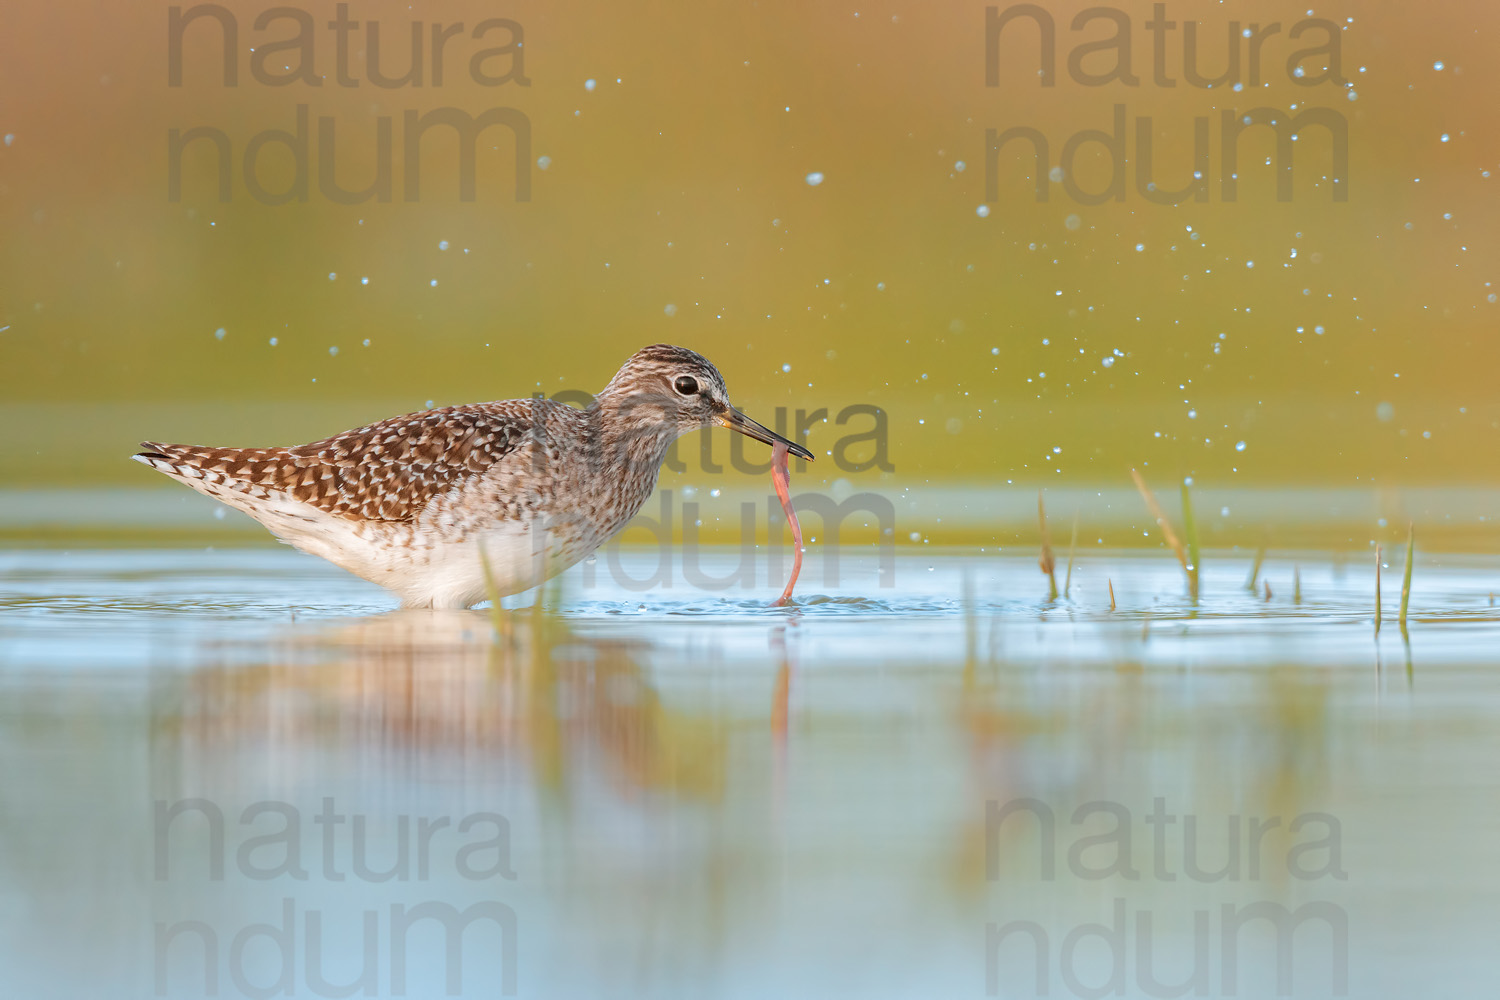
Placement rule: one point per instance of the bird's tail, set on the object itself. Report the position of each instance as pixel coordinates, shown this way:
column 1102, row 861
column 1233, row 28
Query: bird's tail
column 227, row 474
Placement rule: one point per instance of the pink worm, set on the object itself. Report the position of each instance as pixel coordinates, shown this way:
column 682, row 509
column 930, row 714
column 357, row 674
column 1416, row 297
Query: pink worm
column 783, row 480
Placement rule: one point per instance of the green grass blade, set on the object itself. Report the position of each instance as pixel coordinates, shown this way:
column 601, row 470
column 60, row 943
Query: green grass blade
column 1190, row 530
column 1072, row 548
column 1411, row 546
column 492, row 591
column 1377, row 587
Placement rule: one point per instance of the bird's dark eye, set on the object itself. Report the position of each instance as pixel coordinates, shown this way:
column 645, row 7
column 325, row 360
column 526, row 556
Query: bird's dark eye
column 686, row 385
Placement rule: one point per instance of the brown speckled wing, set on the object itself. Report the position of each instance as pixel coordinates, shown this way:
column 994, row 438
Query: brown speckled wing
column 387, row 471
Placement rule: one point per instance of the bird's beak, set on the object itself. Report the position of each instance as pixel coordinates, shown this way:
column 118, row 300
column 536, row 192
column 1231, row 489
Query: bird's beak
column 737, row 421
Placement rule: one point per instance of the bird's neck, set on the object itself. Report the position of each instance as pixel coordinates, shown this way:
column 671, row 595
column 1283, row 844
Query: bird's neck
column 631, row 441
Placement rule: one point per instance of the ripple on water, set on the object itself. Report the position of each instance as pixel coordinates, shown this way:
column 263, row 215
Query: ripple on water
column 133, row 606
column 812, row 606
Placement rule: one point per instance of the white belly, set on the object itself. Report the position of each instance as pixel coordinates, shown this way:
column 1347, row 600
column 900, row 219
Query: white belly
column 427, row 566
column 424, row 569
column 519, row 556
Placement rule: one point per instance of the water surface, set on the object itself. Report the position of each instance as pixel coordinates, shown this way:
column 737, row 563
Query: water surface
column 680, row 792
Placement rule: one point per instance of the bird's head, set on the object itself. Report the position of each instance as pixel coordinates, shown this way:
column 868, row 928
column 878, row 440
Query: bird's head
column 679, row 388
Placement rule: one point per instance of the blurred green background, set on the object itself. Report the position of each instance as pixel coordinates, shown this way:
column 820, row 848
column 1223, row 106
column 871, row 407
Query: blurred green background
column 1345, row 343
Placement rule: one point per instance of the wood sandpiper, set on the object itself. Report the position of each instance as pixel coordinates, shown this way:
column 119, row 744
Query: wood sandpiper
column 421, row 503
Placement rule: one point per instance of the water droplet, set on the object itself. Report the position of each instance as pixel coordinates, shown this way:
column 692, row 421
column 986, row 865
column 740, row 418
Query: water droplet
column 442, row 244
column 1438, row 65
column 543, row 162
column 589, row 85
column 219, row 333
column 815, row 178
column 1108, row 361
column 1239, row 446
column 982, row 211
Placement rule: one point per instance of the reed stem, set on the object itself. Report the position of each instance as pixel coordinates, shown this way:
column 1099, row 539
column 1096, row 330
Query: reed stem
column 1047, row 561
column 1166, row 529
column 1260, row 557
column 1072, row 548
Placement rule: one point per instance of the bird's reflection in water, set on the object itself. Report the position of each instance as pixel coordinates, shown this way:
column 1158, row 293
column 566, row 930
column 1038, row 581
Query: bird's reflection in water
column 615, row 799
column 445, row 687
